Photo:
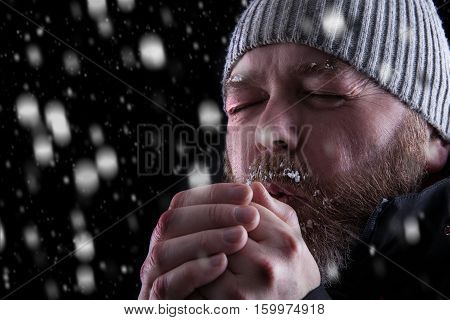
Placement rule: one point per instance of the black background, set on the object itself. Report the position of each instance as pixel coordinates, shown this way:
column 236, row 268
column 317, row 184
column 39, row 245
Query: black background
column 192, row 75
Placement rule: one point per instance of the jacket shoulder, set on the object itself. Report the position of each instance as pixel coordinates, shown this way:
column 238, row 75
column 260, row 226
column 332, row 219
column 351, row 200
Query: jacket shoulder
column 404, row 251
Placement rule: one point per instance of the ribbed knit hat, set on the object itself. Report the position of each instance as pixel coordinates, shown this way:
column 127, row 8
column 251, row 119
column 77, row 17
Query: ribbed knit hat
column 400, row 44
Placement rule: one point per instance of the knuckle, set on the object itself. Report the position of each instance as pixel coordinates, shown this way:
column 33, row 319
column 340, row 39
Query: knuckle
column 159, row 288
column 266, row 272
column 213, row 191
column 178, row 199
column 290, row 246
column 162, row 226
column 155, row 256
column 189, row 274
column 214, row 214
column 291, row 214
column 143, row 271
column 204, row 242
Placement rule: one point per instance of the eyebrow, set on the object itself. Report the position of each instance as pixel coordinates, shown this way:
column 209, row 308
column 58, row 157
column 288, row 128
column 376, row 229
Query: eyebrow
column 329, row 68
column 243, row 82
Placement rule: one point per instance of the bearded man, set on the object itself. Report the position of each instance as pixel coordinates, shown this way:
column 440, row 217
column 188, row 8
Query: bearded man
column 337, row 161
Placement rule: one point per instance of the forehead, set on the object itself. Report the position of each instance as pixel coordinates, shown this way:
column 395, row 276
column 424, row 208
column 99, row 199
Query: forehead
column 286, row 59
column 286, row 62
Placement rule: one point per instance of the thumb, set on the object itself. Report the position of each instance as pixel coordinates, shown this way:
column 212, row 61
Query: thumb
column 283, row 211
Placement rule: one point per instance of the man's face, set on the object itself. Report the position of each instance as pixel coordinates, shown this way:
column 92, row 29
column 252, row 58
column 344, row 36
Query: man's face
column 322, row 138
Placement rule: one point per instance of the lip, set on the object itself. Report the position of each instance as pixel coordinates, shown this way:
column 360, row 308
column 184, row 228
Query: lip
column 282, row 192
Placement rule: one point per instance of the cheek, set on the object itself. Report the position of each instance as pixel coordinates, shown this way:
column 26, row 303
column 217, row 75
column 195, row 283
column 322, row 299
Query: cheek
column 341, row 145
column 333, row 148
column 327, row 155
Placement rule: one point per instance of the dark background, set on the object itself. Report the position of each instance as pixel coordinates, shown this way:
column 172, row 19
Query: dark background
column 116, row 97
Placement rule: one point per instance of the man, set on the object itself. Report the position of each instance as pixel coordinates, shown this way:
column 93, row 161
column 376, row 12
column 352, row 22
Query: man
column 337, row 161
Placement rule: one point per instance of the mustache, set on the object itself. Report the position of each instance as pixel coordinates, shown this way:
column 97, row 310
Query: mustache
column 268, row 169
column 296, row 176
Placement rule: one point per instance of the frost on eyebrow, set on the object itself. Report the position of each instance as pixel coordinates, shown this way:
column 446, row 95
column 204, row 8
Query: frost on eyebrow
column 330, row 65
column 235, row 82
column 236, row 78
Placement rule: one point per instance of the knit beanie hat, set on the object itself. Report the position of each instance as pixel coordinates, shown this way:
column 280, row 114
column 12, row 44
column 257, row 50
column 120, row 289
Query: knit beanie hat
column 400, row 44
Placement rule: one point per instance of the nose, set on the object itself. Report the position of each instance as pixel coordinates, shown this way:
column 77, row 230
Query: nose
column 278, row 129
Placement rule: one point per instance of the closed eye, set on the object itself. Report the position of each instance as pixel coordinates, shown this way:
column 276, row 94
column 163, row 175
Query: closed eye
column 243, row 106
column 324, row 99
column 324, row 94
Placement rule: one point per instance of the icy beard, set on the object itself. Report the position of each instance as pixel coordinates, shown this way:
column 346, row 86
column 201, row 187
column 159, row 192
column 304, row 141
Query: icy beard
column 336, row 211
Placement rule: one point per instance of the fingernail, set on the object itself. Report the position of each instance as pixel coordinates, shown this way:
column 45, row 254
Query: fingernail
column 244, row 215
column 216, row 260
column 232, row 235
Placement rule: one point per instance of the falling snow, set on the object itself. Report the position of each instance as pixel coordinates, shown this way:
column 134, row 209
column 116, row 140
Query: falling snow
column 86, row 177
column 43, row 150
column 152, row 52
column 412, row 230
column 199, row 176
column 2, row 237
column 333, row 24
column 34, row 56
column 28, row 110
column 126, row 5
column 71, row 63
column 209, row 114
column 55, row 117
column 106, row 162
column 97, row 8
column 84, row 246
column 85, row 279
column 31, row 236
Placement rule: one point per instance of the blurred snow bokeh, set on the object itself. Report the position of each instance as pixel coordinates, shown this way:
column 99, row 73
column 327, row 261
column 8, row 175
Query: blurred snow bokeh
column 126, row 5
column 152, row 52
column 55, row 117
column 86, row 177
column 84, row 246
column 71, row 63
column 2, row 237
column 106, row 161
column 31, row 236
column 412, row 230
column 199, row 176
column 333, row 23
column 97, row 8
column 34, row 56
column 210, row 114
column 43, row 150
column 85, row 279
column 28, row 111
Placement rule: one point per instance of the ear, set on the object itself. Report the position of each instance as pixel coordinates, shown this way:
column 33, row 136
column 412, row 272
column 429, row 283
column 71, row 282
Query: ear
column 437, row 152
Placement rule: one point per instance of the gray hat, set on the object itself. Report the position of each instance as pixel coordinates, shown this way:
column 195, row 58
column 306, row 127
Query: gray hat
column 401, row 44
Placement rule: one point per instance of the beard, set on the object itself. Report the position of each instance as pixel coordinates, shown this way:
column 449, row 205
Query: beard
column 332, row 214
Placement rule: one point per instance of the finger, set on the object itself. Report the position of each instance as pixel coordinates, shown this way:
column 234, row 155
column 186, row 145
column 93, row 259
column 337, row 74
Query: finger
column 258, row 261
column 273, row 233
column 169, row 254
column 188, row 220
column 250, row 260
column 180, row 282
column 225, row 287
column 268, row 225
column 191, row 220
column 231, row 193
column 281, row 209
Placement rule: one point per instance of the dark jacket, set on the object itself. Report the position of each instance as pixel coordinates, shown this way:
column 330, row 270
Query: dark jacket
column 403, row 252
